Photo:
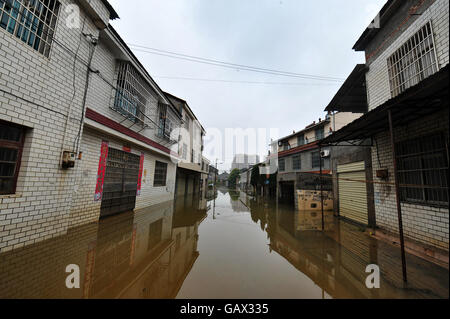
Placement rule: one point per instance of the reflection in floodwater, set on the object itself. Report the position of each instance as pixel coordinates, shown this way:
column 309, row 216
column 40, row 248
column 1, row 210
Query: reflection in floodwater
column 246, row 249
column 146, row 254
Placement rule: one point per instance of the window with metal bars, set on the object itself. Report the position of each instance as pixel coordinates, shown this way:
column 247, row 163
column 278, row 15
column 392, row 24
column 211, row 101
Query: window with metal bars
column 282, row 165
column 165, row 122
column 160, row 174
column 296, row 162
column 32, row 21
column 315, row 159
column 11, row 145
column 320, row 133
column 133, row 93
column 301, row 140
column 414, row 61
column 423, row 170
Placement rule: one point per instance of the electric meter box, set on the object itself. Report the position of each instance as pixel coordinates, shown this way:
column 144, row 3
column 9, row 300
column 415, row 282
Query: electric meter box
column 68, row 160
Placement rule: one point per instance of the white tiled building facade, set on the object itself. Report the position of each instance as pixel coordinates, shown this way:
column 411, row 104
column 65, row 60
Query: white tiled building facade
column 428, row 224
column 43, row 96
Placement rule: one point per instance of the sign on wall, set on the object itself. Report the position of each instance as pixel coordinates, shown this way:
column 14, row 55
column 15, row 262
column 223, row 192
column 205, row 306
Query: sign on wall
column 101, row 171
column 141, row 169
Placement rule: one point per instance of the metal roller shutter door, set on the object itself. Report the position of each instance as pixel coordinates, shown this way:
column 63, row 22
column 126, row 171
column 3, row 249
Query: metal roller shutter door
column 353, row 192
column 120, row 185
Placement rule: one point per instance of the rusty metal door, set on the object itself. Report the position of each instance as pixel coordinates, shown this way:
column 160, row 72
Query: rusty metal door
column 120, row 185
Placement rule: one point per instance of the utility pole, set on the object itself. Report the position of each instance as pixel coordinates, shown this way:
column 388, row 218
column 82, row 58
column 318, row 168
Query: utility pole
column 214, row 190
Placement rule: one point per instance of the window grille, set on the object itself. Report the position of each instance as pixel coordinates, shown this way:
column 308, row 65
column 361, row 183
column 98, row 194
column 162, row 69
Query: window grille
column 32, row 21
column 320, row 133
column 414, row 61
column 160, row 174
column 164, row 121
column 423, row 170
column 11, row 145
column 282, row 165
column 296, row 162
column 132, row 95
column 315, row 159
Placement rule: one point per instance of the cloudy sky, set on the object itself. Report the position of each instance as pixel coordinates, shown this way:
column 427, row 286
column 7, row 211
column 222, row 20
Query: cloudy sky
column 298, row 36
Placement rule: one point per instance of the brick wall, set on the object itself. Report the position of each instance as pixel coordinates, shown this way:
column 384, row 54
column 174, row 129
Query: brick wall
column 426, row 224
column 40, row 96
column 84, row 208
column 377, row 78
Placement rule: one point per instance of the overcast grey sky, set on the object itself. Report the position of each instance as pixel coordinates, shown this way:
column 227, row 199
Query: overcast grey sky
column 310, row 37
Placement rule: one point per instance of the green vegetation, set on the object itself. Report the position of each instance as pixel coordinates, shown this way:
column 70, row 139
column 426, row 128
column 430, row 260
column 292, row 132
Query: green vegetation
column 234, row 175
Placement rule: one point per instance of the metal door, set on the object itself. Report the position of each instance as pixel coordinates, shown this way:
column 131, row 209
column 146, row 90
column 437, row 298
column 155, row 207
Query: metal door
column 353, row 192
column 120, row 185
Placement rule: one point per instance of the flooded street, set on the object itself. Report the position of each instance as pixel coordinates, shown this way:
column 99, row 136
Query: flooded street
column 228, row 247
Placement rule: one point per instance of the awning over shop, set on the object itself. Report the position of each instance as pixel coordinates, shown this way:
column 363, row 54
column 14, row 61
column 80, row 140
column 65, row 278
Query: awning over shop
column 352, row 96
column 427, row 97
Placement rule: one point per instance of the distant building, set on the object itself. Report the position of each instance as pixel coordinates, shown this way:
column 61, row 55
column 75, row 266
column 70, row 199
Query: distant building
column 212, row 174
column 244, row 179
column 300, row 159
column 244, row 161
column 223, row 178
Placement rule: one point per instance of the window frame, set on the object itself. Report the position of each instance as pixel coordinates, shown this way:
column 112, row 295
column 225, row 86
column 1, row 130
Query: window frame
column 282, row 168
column 406, row 66
column 321, row 161
column 25, row 24
column 321, row 135
column 299, row 162
column 301, row 140
column 420, row 157
column 157, row 182
column 19, row 147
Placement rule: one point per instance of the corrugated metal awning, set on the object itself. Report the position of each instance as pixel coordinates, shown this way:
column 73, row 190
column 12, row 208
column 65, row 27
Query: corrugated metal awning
column 425, row 98
column 352, row 96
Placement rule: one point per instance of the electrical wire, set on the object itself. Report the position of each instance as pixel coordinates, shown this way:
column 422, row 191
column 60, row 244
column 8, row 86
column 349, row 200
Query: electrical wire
column 234, row 65
column 33, row 103
column 243, row 81
column 229, row 65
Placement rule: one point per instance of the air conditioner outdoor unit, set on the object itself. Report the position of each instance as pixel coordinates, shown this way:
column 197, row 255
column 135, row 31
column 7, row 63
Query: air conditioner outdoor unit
column 325, row 153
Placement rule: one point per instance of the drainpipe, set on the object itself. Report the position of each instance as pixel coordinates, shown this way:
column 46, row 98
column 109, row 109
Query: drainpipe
column 397, row 195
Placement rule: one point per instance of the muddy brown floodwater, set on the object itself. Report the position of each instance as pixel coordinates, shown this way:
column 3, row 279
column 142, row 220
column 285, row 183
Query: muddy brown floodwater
column 235, row 248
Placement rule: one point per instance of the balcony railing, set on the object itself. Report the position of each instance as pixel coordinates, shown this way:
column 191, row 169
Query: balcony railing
column 134, row 100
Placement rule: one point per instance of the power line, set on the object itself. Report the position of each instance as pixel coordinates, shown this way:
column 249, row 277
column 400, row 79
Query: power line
column 243, row 81
column 229, row 65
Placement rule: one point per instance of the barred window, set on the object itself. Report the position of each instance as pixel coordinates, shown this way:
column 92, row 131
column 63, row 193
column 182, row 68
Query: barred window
column 165, row 122
column 301, row 140
column 414, row 61
column 132, row 94
column 11, row 145
column 423, row 170
column 320, row 133
column 296, row 162
column 32, row 21
column 160, row 174
column 282, row 165
column 315, row 159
